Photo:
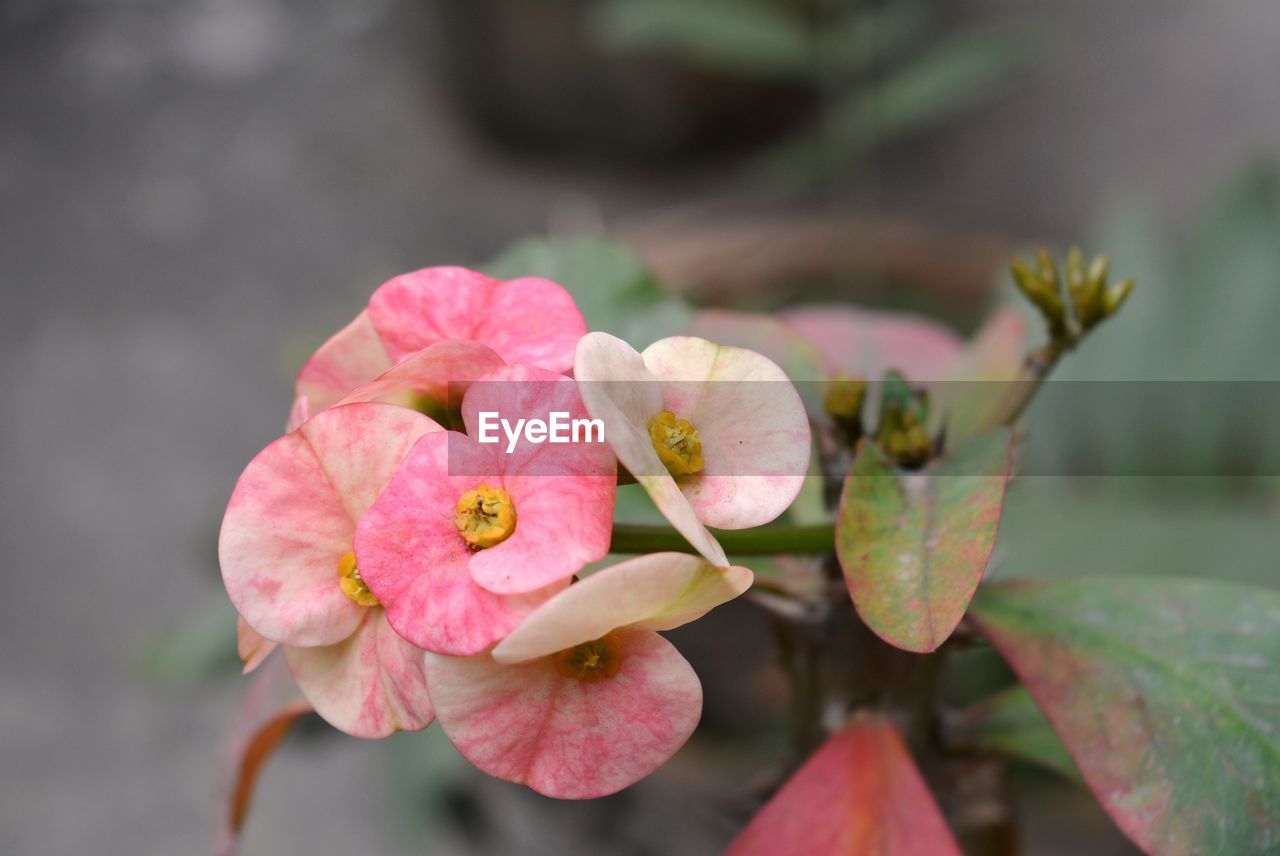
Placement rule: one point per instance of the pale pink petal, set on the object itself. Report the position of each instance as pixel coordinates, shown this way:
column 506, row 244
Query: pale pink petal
column 867, row 343
column 562, row 737
column 764, row 334
column 618, row 389
column 368, row 685
column 300, row 412
column 293, row 513
column 440, row 372
column 415, row 562
column 532, row 321
column 659, row 591
column 351, row 358
column 252, row 647
column 752, row 423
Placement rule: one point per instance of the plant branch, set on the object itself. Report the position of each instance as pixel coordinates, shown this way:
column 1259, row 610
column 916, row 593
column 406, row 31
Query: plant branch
column 761, row 541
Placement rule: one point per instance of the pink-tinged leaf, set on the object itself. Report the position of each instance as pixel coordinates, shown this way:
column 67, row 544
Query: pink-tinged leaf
column 370, row 684
column 660, row 591
column 980, row 384
column 351, row 358
column 1167, row 695
column 859, row 794
column 764, row 334
column 564, row 737
column 439, row 372
column 914, row 546
column 868, row 343
column 531, row 321
column 270, row 707
column 1010, row 723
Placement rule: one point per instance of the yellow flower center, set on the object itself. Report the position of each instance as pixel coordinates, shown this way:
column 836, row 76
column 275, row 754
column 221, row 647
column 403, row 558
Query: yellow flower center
column 351, row 584
column 677, row 443
column 591, row 661
column 486, row 516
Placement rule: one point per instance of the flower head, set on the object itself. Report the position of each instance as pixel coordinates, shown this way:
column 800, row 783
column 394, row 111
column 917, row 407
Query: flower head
column 286, row 550
column 529, row 320
column 716, row 435
column 469, row 537
column 583, row 698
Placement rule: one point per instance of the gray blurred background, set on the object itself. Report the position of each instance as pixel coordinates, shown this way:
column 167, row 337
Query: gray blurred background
column 194, row 193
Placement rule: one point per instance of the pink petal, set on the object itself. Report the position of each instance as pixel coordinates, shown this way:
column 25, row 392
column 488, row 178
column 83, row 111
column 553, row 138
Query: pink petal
column 300, row 412
column 351, row 358
column 754, row 429
column 532, row 321
column 563, row 492
column 368, row 685
column 659, row 591
column 618, row 389
column 292, row 516
column 867, row 343
column 562, row 737
column 439, row 372
column 415, row 562
column 252, row 647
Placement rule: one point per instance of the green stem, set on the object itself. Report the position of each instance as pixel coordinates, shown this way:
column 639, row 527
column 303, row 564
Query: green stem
column 762, row 541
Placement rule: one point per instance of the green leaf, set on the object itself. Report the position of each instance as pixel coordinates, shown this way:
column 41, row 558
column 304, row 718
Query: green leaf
column 612, row 288
column 1167, row 695
column 1010, row 723
column 914, row 546
column 751, row 39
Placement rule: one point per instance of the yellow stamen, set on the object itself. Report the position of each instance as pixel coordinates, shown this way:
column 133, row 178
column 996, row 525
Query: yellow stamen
column 351, row 584
column 677, row 443
column 485, row 516
column 591, row 661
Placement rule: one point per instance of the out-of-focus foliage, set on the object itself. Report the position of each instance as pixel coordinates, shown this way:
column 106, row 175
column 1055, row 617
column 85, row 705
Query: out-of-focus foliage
column 612, row 288
column 880, row 70
column 1010, row 723
column 1167, row 381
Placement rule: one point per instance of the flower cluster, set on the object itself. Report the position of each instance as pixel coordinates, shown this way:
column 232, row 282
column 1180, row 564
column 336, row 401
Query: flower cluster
column 412, row 571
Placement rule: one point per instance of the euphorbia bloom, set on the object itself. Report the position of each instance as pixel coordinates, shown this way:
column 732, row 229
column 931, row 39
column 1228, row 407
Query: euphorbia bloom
column 468, row 538
column 716, row 435
column 583, row 698
column 528, row 320
column 286, row 550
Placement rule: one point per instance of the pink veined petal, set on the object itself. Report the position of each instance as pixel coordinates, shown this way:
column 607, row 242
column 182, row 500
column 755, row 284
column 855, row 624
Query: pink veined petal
column 868, row 343
column 752, row 423
column 563, row 492
column 563, row 737
column 368, row 685
column 351, row 358
column 415, row 562
column 659, row 592
column 526, row 320
column 252, row 647
column 618, row 389
column 439, row 372
column 293, row 513
column 300, row 412
column 533, row 321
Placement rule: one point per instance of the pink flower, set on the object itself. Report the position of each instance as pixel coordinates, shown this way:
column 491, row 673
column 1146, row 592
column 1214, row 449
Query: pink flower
column 583, row 698
column 529, row 320
column 286, row 551
column 716, row 435
column 468, row 538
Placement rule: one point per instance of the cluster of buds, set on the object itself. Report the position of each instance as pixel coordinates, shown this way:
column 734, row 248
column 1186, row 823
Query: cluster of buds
column 1087, row 290
column 414, row 572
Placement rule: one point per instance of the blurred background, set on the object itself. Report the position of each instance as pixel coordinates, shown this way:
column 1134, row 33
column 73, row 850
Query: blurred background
column 195, row 193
